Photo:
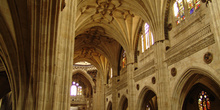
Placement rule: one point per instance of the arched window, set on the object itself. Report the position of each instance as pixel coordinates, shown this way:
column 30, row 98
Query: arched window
column 75, row 89
column 203, row 101
column 147, row 38
column 179, row 11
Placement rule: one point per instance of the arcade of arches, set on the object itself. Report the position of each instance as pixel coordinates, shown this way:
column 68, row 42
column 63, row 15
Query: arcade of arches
column 109, row 54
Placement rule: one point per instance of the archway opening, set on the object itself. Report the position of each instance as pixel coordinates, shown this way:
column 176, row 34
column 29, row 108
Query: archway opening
column 82, row 86
column 109, row 106
column 149, row 101
column 201, row 97
column 125, row 104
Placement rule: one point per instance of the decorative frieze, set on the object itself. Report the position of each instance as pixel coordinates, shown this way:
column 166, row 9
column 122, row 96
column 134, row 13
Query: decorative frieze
column 198, row 40
column 184, row 29
column 191, row 39
column 191, row 50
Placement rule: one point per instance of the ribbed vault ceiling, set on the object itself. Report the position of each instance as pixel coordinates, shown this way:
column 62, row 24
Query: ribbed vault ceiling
column 103, row 26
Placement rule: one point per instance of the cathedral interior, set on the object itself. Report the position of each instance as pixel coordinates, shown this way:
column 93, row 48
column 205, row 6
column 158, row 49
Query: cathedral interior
column 109, row 54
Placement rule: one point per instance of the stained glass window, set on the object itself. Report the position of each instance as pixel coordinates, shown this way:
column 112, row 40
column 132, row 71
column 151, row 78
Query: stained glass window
column 203, row 101
column 190, row 6
column 193, row 5
column 179, row 11
column 123, row 59
column 197, row 4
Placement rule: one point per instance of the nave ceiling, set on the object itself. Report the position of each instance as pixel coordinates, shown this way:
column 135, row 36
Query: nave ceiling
column 104, row 26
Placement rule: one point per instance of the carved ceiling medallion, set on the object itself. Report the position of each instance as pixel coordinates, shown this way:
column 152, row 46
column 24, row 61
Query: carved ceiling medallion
column 106, row 10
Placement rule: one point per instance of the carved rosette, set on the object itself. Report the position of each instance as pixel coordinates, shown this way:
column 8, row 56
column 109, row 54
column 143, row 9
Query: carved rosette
column 208, row 57
column 173, row 72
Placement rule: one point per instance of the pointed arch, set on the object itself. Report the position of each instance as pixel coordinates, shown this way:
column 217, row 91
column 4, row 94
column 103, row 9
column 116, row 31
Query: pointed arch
column 190, row 78
column 109, row 107
column 123, row 104
column 148, row 97
column 85, row 75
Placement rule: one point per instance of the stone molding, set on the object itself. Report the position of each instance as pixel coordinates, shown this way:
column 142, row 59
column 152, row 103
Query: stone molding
column 208, row 39
column 201, row 33
column 147, row 65
column 122, row 85
column 145, row 73
column 185, row 28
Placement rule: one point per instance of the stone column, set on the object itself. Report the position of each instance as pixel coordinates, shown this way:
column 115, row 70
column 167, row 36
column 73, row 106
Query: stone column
column 100, row 97
column 52, row 54
column 162, row 82
column 130, row 81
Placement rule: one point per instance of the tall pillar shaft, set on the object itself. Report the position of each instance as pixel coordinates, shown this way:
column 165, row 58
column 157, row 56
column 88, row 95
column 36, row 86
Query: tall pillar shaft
column 161, row 77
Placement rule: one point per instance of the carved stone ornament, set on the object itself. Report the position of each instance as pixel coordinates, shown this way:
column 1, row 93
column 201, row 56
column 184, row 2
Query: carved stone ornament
column 138, row 86
column 153, row 80
column 107, row 10
column 208, row 57
column 173, row 72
